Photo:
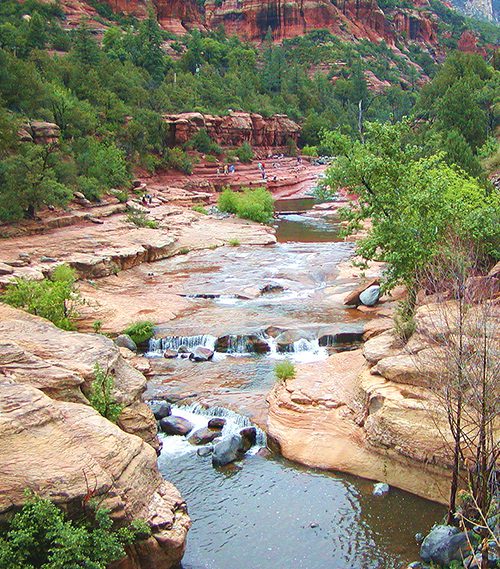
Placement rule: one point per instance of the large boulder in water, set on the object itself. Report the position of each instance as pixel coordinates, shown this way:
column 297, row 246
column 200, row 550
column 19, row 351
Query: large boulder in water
column 161, row 409
column 204, row 436
column 125, row 341
column 216, row 423
column 370, row 296
column 227, row 450
column 248, row 438
column 444, row 544
column 175, row 426
column 201, row 354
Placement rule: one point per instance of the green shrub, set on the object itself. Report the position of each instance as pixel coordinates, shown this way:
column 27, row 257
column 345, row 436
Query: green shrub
column 97, row 326
column 310, row 151
column 210, row 158
column 40, row 535
column 140, row 219
column 244, row 153
column 200, row 209
column 140, row 331
column 183, row 250
column 256, row 205
column 177, row 159
column 227, row 201
column 284, row 370
column 101, row 394
column 234, row 242
column 53, row 298
column 90, row 188
column 202, row 142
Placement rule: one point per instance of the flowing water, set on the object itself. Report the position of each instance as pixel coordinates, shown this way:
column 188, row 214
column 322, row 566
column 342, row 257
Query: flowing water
column 266, row 512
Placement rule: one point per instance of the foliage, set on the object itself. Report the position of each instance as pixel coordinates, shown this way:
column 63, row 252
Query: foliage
column 141, row 331
column 202, row 142
column 404, row 321
column 257, row 204
column 53, row 298
column 140, row 219
column 101, row 395
column 284, row 370
column 177, row 159
column 233, row 242
column 41, row 535
column 411, row 200
column 200, row 209
column 244, row 153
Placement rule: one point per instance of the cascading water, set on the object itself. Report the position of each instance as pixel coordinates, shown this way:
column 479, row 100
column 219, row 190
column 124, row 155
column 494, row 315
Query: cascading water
column 199, row 416
column 158, row 345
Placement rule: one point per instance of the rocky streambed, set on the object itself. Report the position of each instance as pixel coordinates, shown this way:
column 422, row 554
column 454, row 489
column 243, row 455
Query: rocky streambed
column 250, row 307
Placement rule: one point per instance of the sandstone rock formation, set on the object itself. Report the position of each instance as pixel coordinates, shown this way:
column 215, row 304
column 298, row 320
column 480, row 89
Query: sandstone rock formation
column 373, row 416
column 40, row 132
column 234, row 129
column 53, row 442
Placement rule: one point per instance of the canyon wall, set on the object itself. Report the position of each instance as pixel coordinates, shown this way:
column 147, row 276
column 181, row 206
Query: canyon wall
column 54, row 443
column 234, row 129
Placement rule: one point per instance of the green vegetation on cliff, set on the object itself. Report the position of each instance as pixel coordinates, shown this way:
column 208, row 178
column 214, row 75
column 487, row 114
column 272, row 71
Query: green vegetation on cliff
column 41, row 536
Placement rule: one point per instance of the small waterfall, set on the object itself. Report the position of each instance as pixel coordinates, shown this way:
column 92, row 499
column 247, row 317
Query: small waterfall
column 238, row 345
column 175, row 342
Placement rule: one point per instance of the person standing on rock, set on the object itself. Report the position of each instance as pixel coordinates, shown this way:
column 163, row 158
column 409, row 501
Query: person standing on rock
column 225, row 170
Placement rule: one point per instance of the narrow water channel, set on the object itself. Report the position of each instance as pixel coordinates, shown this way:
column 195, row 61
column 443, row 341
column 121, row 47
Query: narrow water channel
column 265, row 512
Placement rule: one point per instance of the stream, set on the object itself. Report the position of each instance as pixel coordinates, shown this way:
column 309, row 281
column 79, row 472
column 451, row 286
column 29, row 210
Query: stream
column 265, row 512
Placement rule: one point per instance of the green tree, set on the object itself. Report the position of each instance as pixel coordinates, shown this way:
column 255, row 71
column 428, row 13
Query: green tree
column 36, row 38
column 29, row 182
column 412, row 201
column 458, row 152
column 101, row 395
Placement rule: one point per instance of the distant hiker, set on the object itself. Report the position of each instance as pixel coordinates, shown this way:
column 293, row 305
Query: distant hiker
column 299, row 159
column 232, row 169
column 150, row 199
column 263, row 172
column 144, row 200
column 225, row 169
column 259, row 166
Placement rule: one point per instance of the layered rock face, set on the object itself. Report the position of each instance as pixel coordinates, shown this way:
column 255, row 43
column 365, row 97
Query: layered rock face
column 234, row 129
column 53, row 442
column 373, row 412
column 251, row 19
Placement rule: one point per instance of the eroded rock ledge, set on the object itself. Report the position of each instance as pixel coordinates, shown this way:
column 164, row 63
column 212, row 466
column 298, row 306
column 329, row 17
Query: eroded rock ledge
column 53, row 442
column 370, row 412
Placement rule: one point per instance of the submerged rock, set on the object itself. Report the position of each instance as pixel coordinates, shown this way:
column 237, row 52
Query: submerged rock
column 170, row 354
column 370, row 296
column 271, row 289
column 216, row 423
column 205, row 451
column 175, row 426
column 125, row 341
column 444, row 544
column 203, row 436
column 380, row 489
column 227, row 450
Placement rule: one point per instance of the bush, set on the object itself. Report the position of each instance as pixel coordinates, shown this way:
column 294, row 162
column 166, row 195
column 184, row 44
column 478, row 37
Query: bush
column 256, row 205
column 140, row 332
column 54, row 298
column 234, row 242
column 140, row 219
column 227, row 201
column 200, row 209
column 203, row 143
column 40, row 535
column 244, row 153
column 284, row 370
column 90, row 188
column 177, row 159
column 404, row 321
column 101, row 394
column 310, row 151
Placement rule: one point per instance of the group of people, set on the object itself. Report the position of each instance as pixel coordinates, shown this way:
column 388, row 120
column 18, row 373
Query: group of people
column 231, row 169
column 147, row 199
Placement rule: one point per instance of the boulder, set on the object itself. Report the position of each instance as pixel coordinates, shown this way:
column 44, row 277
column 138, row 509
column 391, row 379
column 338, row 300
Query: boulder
column 175, row 426
column 227, row 450
column 271, row 289
column 201, row 354
column 380, row 489
column 204, row 436
column 379, row 347
column 170, row 354
column 352, row 299
column 248, row 438
column 161, row 409
column 444, row 544
column 216, row 423
column 370, row 296
column 125, row 341
column 205, row 451
column 5, row 269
